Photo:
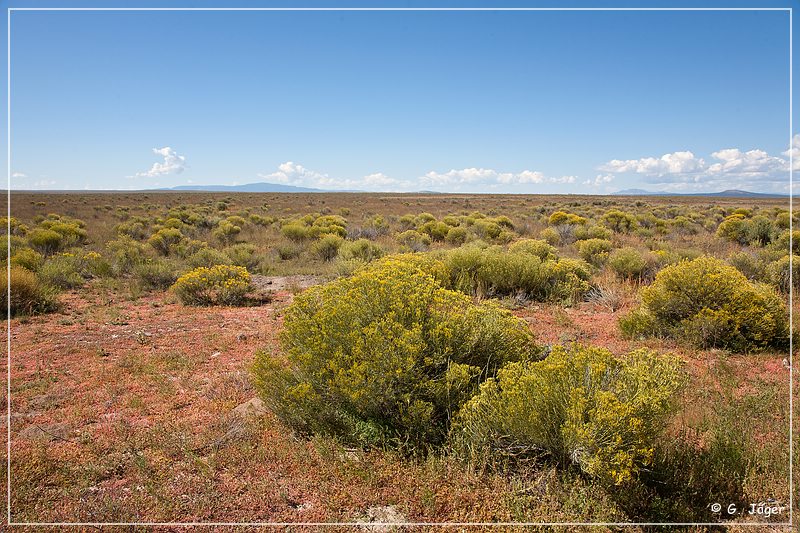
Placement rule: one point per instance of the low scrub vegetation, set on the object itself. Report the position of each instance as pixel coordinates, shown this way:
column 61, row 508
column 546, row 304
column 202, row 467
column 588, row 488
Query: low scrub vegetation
column 486, row 332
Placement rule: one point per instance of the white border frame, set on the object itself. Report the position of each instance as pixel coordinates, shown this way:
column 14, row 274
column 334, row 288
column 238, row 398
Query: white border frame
column 787, row 524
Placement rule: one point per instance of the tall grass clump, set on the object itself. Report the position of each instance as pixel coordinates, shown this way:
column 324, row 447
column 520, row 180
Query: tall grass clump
column 580, row 406
column 519, row 271
column 386, row 357
column 29, row 295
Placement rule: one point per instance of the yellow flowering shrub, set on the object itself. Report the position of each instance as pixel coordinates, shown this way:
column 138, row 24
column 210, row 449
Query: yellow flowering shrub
column 217, row 285
column 710, row 304
column 386, row 356
column 560, row 218
column 581, row 406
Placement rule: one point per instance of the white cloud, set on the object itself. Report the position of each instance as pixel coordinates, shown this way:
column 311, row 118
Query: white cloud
column 729, row 168
column 674, row 163
column 753, row 163
column 173, row 163
column 291, row 173
column 379, row 179
column 599, row 180
column 488, row 177
column 18, row 175
column 794, row 152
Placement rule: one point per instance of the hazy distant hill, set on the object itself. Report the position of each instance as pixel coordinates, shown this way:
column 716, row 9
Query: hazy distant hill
column 731, row 193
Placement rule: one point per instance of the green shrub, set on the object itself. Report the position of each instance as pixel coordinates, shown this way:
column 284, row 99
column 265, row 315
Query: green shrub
column 125, row 253
column 619, row 221
column 783, row 220
column 164, row 240
column 537, row 248
column 27, row 258
column 236, row 220
column 94, row 265
column 45, row 241
column 14, row 243
column 28, row 294
column 496, row 272
column 155, row 274
column 782, row 242
column 61, row 271
column 71, row 230
column 361, row 250
column 408, row 222
column 136, row 229
column 631, row 264
column 437, row 231
column 329, row 225
column 288, row 251
column 760, row 230
column 17, row 228
column 386, row 356
column 551, row 236
column 710, row 304
column 778, row 275
column 218, row 285
column 487, row 230
column 456, row 236
column 244, row 255
column 226, row 232
column 208, row 257
column 595, row 251
column 592, row 232
column 327, row 247
column 752, row 266
column 415, row 240
column 296, row 232
column 733, row 228
column 581, row 406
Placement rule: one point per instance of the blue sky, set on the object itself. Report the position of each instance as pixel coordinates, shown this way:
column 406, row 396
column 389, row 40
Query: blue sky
column 528, row 102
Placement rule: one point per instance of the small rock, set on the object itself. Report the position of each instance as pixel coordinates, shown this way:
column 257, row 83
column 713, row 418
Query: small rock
column 252, row 407
column 216, row 354
column 46, row 432
column 383, row 519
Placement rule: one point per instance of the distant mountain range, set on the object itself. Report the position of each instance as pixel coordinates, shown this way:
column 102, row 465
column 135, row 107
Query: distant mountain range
column 278, row 187
column 248, row 187
column 731, row 193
